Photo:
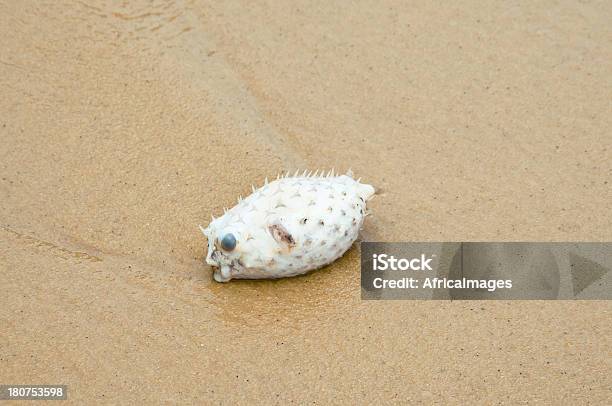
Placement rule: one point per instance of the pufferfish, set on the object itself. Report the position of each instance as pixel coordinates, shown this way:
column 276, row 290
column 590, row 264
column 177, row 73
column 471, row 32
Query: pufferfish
column 288, row 227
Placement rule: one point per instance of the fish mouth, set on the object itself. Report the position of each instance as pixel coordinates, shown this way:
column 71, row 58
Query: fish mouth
column 224, row 268
column 222, row 274
column 225, row 272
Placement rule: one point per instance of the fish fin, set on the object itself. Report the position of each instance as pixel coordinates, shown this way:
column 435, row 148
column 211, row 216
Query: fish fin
column 366, row 191
column 281, row 235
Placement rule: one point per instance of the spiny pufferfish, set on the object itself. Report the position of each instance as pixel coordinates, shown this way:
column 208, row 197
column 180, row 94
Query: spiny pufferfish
column 288, row 227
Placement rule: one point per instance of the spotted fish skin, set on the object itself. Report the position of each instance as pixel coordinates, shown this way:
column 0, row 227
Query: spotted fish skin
column 287, row 227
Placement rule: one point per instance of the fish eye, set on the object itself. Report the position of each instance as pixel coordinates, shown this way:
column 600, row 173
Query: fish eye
column 228, row 242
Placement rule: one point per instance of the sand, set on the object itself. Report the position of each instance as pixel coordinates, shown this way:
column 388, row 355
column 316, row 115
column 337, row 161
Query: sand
column 125, row 125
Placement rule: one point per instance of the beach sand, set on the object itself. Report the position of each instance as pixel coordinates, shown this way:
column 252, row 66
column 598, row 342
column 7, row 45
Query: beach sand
column 125, row 125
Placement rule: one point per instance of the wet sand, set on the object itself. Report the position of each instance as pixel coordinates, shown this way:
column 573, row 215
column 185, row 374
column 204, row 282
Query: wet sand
column 124, row 126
